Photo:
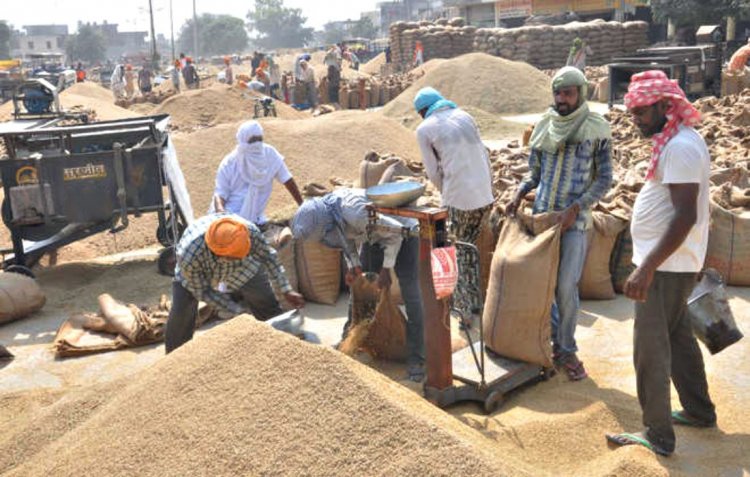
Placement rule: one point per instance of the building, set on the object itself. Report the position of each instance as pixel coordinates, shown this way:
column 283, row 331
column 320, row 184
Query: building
column 36, row 40
column 374, row 17
column 410, row 10
column 122, row 43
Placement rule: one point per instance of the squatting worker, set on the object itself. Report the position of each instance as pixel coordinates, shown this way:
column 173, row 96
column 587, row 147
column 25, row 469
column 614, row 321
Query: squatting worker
column 670, row 237
column 226, row 249
column 244, row 180
column 457, row 163
column 570, row 166
column 340, row 220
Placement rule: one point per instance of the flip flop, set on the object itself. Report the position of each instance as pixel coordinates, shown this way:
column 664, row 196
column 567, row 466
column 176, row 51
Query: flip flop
column 681, row 418
column 628, row 439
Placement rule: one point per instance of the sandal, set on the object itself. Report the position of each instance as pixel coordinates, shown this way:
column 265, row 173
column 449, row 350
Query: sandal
column 636, row 439
column 682, row 418
column 572, row 366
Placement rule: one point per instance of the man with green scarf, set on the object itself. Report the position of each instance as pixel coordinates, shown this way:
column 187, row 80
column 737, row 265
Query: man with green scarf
column 570, row 166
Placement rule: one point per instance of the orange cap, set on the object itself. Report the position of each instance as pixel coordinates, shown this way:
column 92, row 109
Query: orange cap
column 227, row 237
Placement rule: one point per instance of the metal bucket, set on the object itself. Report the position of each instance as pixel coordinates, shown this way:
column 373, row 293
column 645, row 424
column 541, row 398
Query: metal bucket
column 710, row 315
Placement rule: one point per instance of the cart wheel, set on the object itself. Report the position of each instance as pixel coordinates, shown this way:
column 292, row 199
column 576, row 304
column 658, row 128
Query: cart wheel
column 165, row 235
column 20, row 269
column 167, row 261
column 493, row 401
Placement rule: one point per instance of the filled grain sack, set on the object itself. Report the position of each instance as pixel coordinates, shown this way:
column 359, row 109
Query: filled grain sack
column 318, row 272
column 520, row 294
column 596, row 279
column 20, row 296
column 372, row 168
column 621, row 261
column 728, row 245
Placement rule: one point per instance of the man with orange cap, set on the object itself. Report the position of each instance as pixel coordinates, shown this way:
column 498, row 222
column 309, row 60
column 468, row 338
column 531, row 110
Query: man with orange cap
column 224, row 249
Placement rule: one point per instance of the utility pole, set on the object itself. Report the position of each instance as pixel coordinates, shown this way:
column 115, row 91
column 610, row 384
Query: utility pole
column 195, row 33
column 154, row 54
column 171, row 28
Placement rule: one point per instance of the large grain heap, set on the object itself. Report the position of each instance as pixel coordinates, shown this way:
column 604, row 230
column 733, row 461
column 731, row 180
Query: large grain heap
column 542, row 46
column 247, row 400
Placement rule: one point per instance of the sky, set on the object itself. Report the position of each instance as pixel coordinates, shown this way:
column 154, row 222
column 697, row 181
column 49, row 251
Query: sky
column 132, row 15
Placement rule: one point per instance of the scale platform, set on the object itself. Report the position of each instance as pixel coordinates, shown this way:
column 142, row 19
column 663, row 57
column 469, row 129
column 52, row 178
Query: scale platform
column 502, row 375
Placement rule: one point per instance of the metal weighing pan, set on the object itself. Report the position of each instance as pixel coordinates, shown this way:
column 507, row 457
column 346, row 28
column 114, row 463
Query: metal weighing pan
column 395, row 194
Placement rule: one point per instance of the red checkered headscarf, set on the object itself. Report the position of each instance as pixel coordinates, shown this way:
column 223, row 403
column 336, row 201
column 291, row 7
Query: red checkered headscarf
column 649, row 87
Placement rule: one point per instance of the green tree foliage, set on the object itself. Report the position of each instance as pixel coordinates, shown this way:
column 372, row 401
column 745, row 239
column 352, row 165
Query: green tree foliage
column 88, row 45
column 4, row 40
column 334, row 34
column 217, row 35
column 699, row 12
column 365, row 29
column 278, row 26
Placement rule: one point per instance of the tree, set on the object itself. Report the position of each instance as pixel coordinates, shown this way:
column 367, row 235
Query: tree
column 217, row 35
column 699, row 12
column 278, row 26
column 4, row 40
column 365, row 29
column 333, row 34
column 88, row 45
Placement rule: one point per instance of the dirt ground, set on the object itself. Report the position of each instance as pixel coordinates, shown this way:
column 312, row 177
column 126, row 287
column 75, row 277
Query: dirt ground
column 556, row 427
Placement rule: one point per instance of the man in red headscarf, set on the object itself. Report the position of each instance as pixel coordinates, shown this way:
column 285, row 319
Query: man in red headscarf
column 670, row 236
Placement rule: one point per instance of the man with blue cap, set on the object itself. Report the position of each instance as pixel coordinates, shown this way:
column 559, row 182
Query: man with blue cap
column 457, row 163
column 571, row 169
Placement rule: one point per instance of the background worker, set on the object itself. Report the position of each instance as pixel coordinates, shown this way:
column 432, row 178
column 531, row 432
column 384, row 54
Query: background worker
column 129, row 81
column 244, row 180
column 570, row 167
column 333, row 62
column 457, row 163
column 340, row 220
column 670, row 238
column 308, row 80
column 224, row 249
column 175, row 74
column 144, row 79
column 228, row 73
column 117, row 82
column 190, row 75
column 578, row 53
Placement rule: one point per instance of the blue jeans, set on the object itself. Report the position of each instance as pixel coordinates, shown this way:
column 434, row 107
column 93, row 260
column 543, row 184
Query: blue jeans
column 573, row 247
column 407, row 271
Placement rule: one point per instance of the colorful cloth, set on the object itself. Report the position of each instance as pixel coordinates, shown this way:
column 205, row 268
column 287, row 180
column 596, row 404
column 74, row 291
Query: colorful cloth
column 464, row 225
column 650, row 87
column 228, row 238
column 200, row 271
column 739, row 59
column 431, row 99
column 554, row 131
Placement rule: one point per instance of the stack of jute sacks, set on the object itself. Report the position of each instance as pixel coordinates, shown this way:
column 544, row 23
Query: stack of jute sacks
column 376, row 92
column 548, row 46
column 441, row 39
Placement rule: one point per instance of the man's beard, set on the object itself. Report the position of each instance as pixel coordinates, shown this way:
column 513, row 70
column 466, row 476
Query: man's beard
column 656, row 128
column 566, row 109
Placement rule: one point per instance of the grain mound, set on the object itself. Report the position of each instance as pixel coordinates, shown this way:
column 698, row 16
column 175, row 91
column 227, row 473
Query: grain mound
column 492, row 84
column 372, row 67
column 247, row 400
column 201, row 108
column 315, row 150
column 85, row 95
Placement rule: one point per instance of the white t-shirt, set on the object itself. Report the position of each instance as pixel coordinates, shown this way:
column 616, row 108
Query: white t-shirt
column 233, row 189
column 684, row 160
column 461, row 168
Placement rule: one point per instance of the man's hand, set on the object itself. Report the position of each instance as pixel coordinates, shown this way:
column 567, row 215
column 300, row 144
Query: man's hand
column 638, row 283
column 384, row 279
column 512, row 207
column 295, row 299
column 568, row 217
column 351, row 275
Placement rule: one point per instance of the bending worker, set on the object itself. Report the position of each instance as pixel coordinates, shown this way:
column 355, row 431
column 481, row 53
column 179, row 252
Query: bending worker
column 245, row 177
column 224, row 249
column 570, row 166
column 340, row 220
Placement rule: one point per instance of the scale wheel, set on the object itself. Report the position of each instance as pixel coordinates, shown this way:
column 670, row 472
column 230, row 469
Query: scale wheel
column 167, row 261
column 548, row 373
column 493, row 401
column 20, row 269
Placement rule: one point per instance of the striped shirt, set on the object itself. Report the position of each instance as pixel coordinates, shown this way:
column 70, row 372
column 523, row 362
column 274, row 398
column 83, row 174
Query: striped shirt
column 579, row 173
column 200, row 271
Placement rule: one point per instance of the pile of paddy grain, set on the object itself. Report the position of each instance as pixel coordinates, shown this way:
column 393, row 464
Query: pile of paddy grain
column 492, row 84
column 244, row 399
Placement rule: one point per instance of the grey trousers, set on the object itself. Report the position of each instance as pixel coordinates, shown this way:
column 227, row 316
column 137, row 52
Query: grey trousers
column 664, row 347
column 256, row 295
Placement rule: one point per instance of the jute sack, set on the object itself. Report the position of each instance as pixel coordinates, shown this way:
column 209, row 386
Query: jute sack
column 372, row 168
column 318, row 272
column 520, row 294
column 596, row 279
column 621, row 262
column 486, row 244
column 20, row 296
column 386, row 337
column 728, row 245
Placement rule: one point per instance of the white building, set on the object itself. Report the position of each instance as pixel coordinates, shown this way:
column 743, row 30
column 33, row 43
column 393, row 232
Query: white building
column 41, row 40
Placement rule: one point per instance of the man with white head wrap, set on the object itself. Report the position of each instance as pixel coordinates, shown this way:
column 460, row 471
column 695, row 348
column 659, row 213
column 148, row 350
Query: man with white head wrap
column 570, row 168
column 245, row 177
